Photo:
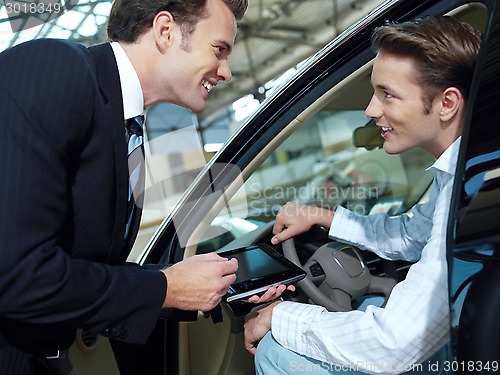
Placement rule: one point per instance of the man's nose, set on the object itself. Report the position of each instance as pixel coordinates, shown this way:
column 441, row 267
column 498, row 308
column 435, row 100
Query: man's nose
column 373, row 110
column 224, row 71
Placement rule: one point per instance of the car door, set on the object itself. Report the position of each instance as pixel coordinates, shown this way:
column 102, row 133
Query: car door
column 474, row 219
column 232, row 202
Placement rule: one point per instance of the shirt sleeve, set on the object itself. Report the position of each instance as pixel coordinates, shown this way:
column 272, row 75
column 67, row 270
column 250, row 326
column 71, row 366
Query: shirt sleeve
column 411, row 327
column 394, row 238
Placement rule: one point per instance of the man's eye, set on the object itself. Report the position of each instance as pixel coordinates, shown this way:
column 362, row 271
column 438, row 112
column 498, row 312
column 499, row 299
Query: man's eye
column 387, row 95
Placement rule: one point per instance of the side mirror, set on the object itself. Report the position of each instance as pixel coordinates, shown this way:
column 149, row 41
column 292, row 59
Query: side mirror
column 368, row 136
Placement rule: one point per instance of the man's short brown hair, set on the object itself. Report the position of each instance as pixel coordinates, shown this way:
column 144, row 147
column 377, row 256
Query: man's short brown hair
column 130, row 18
column 444, row 49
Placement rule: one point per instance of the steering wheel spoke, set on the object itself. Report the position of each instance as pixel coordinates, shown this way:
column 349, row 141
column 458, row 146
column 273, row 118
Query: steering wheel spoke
column 337, row 275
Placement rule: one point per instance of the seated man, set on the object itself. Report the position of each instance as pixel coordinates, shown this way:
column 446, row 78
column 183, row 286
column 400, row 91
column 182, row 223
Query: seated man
column 421, row 78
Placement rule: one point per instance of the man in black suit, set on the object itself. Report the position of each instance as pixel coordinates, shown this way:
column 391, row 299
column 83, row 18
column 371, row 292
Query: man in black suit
column 64, row 184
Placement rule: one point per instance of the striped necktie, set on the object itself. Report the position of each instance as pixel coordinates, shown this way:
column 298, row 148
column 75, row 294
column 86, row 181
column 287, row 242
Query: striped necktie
column 135, row 166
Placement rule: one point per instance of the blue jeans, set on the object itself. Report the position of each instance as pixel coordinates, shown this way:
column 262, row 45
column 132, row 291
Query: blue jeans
column 273, row 359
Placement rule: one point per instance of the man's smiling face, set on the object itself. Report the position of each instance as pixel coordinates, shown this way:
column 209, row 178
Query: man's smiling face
column 397, row 106
column 198, row 61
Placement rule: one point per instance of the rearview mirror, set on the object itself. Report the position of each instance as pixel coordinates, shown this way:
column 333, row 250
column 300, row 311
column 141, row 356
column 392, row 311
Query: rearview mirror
column 368, row 136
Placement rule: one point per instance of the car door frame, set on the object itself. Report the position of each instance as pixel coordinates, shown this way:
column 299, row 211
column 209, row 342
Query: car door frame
column 474, row 230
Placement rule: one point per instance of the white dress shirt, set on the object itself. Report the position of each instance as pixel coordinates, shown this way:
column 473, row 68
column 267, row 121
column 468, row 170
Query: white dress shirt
column 133, row 99
column 415, row 322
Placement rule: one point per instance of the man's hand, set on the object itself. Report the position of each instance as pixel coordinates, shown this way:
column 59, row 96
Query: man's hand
column 295, row 218
column 199, row 282
column 271, row 293
column 257, row 325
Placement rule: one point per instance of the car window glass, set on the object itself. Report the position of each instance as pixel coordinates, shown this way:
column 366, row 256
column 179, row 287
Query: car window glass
column 334, row 158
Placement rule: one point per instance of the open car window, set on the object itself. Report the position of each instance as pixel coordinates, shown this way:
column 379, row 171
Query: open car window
column 322, row 157
column 333, row 158
column 316, row 154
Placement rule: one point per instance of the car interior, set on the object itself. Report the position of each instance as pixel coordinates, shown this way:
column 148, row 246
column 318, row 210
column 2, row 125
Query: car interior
column 329, row 155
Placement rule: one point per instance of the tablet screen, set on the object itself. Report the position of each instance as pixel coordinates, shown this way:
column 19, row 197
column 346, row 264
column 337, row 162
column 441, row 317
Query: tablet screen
column 256, row 263
column 259, row 267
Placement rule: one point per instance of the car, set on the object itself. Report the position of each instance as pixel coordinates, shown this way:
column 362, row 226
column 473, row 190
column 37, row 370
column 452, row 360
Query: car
column 310, row 142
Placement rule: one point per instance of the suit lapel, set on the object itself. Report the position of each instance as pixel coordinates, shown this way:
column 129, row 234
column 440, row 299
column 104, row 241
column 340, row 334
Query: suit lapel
column 109, row 82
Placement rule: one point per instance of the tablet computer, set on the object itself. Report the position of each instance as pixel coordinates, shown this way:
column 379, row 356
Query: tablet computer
column 259, row 268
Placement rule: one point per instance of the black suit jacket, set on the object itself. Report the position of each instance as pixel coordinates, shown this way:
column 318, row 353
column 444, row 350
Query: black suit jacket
column 63, row 199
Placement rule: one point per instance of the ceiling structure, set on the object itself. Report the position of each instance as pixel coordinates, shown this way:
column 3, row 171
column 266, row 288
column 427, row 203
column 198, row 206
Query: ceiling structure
column 274, row 36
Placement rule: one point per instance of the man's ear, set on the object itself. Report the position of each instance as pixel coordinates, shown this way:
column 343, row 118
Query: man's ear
column 163, row 29
column 452, row 102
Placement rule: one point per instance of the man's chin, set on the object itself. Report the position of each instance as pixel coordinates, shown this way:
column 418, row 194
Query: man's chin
column 395, row 149
column 197, row 109
column 390, row 150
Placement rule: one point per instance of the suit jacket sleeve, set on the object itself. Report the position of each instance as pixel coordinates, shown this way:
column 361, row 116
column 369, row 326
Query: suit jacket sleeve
column 58, row 200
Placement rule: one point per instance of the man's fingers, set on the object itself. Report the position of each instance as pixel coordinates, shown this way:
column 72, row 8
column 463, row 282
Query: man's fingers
column 229, row 279
column 251, row 348
column 229, row 266
column 269, row 295
column 291, row 288
column 282, row 236
column 278, row 228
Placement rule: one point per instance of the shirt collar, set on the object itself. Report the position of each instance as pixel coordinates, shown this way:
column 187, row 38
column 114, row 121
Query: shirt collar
column 133, row 99
column 447, row 162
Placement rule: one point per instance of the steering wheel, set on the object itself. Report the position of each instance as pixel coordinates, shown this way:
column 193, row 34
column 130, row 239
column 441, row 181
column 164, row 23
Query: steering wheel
column 336, row 275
